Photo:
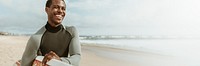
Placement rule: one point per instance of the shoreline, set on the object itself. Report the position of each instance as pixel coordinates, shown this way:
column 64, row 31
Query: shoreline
column 12, row 48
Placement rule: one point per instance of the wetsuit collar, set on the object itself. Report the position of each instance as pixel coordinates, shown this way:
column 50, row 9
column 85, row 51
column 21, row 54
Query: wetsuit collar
column 52, row 29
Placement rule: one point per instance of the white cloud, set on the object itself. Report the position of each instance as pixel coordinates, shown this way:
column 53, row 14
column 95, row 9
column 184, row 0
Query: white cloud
column 24, row 6
column 7, row 3
column 159, row 16
column 138, row 16
column 90, row 4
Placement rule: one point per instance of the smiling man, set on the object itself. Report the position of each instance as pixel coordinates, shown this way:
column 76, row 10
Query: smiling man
column 54, row 41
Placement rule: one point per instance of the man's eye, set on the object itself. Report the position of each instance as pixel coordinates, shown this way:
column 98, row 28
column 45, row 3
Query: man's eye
column 63, row 8
column 56, row 7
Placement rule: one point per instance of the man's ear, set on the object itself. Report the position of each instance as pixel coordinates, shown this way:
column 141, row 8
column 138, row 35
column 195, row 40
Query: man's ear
column 46, row 9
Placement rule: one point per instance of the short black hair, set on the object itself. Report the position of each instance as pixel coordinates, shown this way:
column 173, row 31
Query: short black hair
column 49, row 2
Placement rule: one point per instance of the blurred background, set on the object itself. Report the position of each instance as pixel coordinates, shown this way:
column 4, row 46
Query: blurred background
column 107, row 17
column 168, row 27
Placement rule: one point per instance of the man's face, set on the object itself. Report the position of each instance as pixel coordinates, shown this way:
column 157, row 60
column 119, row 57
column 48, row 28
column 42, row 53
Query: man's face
column 56, row 12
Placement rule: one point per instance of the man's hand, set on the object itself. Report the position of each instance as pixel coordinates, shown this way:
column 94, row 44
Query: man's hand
column 49, row 56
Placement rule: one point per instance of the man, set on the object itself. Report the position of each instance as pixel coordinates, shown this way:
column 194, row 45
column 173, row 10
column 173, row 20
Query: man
column 53, row 41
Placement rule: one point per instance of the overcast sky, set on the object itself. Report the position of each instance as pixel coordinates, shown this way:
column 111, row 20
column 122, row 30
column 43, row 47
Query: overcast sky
column 107, row 17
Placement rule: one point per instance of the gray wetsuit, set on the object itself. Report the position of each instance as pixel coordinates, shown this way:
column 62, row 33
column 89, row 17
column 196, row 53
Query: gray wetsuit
column 62, row 40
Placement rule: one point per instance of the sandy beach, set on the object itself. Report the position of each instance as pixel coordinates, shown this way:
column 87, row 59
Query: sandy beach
column 12, row 47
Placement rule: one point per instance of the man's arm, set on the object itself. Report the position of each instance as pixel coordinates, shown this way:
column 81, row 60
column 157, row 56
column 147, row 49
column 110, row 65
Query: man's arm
column 74, row 49
column 29, row 53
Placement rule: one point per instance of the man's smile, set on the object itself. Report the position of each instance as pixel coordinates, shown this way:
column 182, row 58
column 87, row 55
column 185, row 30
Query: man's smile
column 59, row 16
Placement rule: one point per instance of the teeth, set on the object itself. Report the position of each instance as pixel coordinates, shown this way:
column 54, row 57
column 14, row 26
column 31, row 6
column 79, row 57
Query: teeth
column 59, row 16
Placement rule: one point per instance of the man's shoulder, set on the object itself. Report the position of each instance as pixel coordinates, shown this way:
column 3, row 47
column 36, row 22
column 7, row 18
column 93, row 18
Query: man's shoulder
column 70, row 29
column 40, row 31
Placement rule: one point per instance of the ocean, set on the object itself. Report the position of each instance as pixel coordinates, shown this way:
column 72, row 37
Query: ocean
column 174, row 47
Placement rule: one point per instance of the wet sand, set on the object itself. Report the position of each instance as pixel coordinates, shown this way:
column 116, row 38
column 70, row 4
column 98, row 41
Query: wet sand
column 12, row 47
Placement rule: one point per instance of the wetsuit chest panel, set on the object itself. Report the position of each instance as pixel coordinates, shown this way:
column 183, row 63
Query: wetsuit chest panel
column 57, row 42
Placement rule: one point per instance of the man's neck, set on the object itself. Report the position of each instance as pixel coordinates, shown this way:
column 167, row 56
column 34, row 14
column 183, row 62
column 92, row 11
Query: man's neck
column 51, row 28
